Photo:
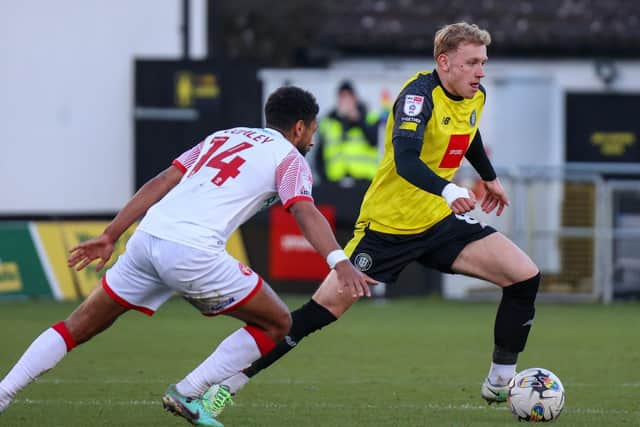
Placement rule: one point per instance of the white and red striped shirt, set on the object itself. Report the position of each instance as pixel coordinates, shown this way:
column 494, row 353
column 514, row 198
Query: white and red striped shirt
column 228, row 177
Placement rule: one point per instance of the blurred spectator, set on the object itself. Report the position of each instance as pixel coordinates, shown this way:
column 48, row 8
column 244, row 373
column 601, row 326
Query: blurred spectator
column 347, row 149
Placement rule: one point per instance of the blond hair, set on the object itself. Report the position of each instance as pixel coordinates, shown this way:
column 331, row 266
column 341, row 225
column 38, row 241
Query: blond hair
column 450, row 36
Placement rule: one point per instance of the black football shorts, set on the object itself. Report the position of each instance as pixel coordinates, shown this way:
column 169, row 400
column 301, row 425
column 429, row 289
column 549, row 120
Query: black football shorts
column 383, row 256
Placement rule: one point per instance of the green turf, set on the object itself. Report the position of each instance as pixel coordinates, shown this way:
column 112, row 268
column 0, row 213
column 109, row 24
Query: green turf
column 416, row 362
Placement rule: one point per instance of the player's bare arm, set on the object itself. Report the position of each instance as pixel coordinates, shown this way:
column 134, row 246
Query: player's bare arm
column 495, row 197
column 317, row 231
column 101, row 247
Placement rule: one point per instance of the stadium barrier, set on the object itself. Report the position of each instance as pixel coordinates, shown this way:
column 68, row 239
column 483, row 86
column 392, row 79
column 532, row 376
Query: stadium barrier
column 33, row 258
column 579, row 223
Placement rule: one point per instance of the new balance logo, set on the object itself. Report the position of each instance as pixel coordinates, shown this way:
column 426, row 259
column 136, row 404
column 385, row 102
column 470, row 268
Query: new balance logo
column 446, row 120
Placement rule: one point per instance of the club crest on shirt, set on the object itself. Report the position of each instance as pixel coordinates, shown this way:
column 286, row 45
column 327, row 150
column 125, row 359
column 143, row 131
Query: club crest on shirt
column 472, row 118
column 413, row 104
column 363, row 261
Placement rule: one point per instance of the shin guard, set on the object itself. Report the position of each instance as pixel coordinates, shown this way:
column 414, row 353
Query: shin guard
column 514, row 319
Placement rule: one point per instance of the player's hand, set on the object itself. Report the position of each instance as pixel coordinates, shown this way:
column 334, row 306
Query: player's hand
column 461, row 200
column 463, row 205
column 495, row 196
column 353, row 279
column 82, row 255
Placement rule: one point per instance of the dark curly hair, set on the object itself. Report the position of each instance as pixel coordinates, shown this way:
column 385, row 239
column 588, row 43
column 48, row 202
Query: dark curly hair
column 287, row 105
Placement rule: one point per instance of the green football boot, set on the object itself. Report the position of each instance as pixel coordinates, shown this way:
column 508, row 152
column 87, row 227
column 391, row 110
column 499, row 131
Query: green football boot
column 216, row 399
column 494, row 393
column 199, row 412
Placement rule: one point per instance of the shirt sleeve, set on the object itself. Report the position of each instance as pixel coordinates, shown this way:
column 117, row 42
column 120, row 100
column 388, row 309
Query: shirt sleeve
column 188, row 158
column 477, row 156
column 412, row 111
column 415, row 171
column 294, row 179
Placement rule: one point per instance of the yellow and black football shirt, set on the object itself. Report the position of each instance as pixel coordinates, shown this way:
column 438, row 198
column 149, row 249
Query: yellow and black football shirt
column 445, row 125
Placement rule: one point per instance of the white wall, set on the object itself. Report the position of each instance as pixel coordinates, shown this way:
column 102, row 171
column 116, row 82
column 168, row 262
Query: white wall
column 66, row 95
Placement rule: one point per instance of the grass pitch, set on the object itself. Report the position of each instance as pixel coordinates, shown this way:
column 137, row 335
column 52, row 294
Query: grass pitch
column 413, row 362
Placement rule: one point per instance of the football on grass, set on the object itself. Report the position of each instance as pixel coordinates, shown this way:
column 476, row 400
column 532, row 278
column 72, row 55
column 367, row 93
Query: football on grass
column 536, row 395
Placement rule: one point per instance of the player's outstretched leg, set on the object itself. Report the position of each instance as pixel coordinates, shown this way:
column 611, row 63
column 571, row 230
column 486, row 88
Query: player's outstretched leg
column 513, row 323
column 327, row 304
column 42, row 355
column 199, row 397
column 497, row 259
column 194, row 399
column 91, row 317
column 307, row 319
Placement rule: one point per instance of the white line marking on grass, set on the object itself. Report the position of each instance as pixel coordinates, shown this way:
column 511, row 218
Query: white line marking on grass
column 287, row 381
column 102, row 381
column 317, row 405
column 87, row 402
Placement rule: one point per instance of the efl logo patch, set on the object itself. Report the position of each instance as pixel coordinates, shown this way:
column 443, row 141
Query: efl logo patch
column 413, row 104
column 458, row 145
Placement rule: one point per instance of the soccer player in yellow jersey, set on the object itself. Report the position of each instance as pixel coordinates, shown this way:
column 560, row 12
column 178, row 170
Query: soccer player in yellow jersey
column 413, row 212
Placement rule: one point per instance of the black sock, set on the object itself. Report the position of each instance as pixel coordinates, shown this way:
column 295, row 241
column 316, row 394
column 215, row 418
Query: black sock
column 514, row 319
column 305, row 320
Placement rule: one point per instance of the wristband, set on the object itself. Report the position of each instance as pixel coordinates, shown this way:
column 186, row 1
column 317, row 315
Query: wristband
column 451, row 192
column 335, row 257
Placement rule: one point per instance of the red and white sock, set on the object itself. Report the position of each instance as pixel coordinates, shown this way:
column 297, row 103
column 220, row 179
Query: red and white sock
column 43, row 354
column 234, row 354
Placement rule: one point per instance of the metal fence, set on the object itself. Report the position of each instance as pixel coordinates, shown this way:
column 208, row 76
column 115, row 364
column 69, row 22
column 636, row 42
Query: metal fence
column 580, row 224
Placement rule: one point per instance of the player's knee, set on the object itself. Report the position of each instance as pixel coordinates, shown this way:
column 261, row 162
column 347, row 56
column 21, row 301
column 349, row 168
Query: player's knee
column 280, row 326
column 525, row 290
column 519, row 272
column 530, row 270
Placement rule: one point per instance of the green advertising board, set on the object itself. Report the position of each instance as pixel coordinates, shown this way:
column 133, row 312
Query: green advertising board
column 21, row 271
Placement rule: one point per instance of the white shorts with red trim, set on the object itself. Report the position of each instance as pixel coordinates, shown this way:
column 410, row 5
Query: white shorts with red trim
column 152, row 269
